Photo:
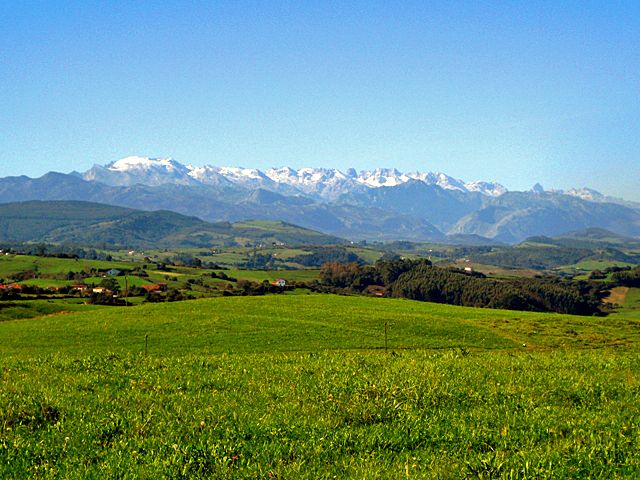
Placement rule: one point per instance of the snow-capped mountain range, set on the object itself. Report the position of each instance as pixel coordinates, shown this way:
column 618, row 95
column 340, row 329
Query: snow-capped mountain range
column 327, row 183
column 378, row 204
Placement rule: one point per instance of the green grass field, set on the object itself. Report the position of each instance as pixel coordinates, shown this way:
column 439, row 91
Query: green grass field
column 590, row 265
column 631, row 306
column 633, row 298
column 260, row 275
column 25, row 309
column 12, row 264
column 301, row 387
column 307, row 323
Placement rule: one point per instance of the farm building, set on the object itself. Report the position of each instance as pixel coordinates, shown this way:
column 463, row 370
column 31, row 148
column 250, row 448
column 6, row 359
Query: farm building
column 158, row 287
column 375, row 290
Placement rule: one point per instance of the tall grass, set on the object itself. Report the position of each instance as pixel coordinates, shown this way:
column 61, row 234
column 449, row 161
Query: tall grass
column 323, row 415
column 299, row 387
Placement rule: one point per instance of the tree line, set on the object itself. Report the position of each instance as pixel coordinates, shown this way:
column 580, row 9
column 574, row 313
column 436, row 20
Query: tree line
column 629, row 277
column 420, row 280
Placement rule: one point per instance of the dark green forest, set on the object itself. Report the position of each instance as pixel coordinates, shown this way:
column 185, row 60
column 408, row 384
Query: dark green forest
column 420, row 280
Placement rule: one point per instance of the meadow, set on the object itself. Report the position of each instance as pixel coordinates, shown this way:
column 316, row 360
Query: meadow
column 12, row 264
column 52, row 272
column 303, row 387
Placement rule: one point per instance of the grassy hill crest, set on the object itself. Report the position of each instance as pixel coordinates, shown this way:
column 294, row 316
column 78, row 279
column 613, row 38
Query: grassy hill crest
column 87, row 223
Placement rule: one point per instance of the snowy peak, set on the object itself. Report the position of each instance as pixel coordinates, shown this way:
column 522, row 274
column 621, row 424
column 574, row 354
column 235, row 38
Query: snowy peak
column 491, row 189
column 592, row 195
column 140, row 170
column 246, row 177
column 321, row 183
column 145, row 164
column 282, row 175
column 382, row 177
column 240, row 173
column 440, row 179
column 586, row 194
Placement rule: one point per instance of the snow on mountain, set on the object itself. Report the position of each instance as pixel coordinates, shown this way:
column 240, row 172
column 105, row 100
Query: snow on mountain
column 250, row 178
column 326, row 183
column 282, row 175
column 491, row 189
column 145, row 164
column 591, row 195
column 382, row 177
column 323, row 182
column 586, row 194
column 242, row 174
column 208, row 175
column 440, row 179
column 140, row 170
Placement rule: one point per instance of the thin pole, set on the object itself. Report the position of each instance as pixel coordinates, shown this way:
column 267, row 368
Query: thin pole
column 386, row 345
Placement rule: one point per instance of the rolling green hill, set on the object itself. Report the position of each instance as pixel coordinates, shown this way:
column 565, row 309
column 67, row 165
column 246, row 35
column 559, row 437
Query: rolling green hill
column 591, row 238
column 596, row 246
column 92, row 224
column 300, row 387
column 305, row 323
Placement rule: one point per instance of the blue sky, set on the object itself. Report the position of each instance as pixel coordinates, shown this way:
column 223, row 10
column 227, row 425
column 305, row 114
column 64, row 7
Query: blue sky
column 517, row 92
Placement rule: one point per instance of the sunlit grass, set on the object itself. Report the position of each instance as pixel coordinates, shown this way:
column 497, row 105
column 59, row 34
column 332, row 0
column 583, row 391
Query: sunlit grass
column 302, row 387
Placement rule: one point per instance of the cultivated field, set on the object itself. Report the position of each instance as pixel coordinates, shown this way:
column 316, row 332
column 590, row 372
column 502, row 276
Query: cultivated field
column 302, row 387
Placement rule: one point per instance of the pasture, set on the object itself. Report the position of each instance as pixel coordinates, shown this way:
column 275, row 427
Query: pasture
column 12, row 264
column 302, row 387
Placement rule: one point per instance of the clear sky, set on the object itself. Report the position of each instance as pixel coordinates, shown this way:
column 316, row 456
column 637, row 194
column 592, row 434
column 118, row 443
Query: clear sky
column 517, row 92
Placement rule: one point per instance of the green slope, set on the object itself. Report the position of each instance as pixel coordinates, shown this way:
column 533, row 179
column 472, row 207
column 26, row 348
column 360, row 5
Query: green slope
column 304, row 323
column 84, row 223
column 221, row 394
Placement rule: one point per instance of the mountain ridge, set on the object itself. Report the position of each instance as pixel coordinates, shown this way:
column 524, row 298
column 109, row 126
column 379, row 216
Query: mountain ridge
column 322, row 182
column 378, row 204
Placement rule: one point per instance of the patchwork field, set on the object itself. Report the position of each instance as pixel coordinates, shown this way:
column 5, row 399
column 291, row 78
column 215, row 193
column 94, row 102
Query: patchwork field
column 302, row 387
column 13, row 264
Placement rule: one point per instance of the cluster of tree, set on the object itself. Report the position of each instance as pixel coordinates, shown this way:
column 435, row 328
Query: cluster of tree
column 57, row 251
column 185, row 260
column 259, row 261
column 537, row 257
column 106, row 298
column 541, row 253
column 321, row 255
column 41, row 292
column 357, row 277
column 420, row 280
column 627, row 277
column 250, row 288
column 9, row 294
column 182, row 260
column 24, row 275
column 439, row 285
column 76, row 276
column 171, row 295
column 222, row 276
